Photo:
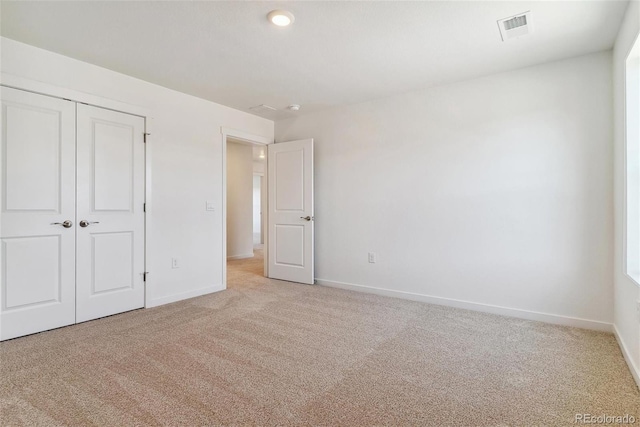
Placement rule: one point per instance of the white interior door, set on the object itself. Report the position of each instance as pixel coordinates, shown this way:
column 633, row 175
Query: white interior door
column 291, row 211
column 110, row 198
column 38, row 196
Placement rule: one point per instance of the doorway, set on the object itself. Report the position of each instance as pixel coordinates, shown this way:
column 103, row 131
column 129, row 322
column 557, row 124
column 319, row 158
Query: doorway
column 258, row 202
column 245, row 165
column 287, row 208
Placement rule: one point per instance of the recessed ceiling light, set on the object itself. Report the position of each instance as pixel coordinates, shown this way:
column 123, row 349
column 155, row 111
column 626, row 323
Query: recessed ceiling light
column 294, row 107
column 281, row 18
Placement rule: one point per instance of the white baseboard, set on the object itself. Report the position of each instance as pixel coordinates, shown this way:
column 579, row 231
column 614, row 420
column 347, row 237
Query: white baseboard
column 184, row 295
column 627, row 356
column 468, row 305
column 243, row 256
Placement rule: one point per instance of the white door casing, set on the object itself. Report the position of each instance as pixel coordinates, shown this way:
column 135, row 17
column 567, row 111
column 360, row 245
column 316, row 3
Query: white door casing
column 38, row 195
column 291, row 211
column 110, row 197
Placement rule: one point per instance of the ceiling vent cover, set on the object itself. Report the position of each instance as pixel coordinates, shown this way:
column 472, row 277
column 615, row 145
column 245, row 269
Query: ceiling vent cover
column 515, row 26
column 262, row 108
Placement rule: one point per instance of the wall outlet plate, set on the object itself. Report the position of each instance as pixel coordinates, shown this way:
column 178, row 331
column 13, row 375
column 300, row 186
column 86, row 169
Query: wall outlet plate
column 210, row 206
column 175, row 263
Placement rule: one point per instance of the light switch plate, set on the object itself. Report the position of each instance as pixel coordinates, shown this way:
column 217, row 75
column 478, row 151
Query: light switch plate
column 210, row 206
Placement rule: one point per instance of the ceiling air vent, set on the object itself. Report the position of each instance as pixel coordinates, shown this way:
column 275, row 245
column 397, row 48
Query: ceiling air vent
column 515, row 26
column 262, row 108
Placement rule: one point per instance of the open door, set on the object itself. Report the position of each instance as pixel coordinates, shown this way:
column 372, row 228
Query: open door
column 290, row 181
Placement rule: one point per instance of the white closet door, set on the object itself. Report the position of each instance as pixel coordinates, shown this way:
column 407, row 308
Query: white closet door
column 110, row 232
column 38, row 195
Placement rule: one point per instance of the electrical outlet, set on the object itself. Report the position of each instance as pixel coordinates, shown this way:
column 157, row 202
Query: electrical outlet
column 372, row 257
column 175, row 263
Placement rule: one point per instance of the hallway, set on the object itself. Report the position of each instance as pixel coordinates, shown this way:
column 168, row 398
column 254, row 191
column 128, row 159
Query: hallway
column 247, row 273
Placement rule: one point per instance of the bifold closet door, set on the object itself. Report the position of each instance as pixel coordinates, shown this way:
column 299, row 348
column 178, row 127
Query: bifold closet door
column 110, row 198
column 37, row 224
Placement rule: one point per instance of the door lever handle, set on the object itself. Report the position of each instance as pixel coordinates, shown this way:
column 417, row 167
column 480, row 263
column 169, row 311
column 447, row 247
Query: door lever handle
column 65, row 224
column 306, row 218
column 84, row 223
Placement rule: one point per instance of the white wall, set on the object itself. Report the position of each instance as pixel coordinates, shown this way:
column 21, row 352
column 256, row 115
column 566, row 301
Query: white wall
column 185, row 160
column 239, row 201
column 494, row 191
column 258, row 167
column 627, row 293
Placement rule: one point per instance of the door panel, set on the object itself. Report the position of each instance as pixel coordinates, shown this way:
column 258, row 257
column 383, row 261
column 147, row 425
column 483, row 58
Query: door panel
column 21, row 255
column 112, row 254
column 290, row 167
column 289, row 182
column 113, row 153
column 289, row 239
column 38, row 188
column 110, row 250
column 33, row 147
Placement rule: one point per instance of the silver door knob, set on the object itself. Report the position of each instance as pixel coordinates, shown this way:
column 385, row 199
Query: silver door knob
column 84, row 223
column 306, row 218
column 65, row 224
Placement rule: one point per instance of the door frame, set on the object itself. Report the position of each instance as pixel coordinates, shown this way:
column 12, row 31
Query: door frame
column 249, row 139
column 46, row 89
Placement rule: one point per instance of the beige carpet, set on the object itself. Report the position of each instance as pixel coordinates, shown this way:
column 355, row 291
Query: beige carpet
column 274, row 353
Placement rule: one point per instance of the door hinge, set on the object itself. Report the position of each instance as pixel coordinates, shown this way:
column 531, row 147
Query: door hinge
column 144, row 276
column 144, row 135
column 144, row 207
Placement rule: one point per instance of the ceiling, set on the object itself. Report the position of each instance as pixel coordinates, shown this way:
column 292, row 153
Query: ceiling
column 335, row 53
